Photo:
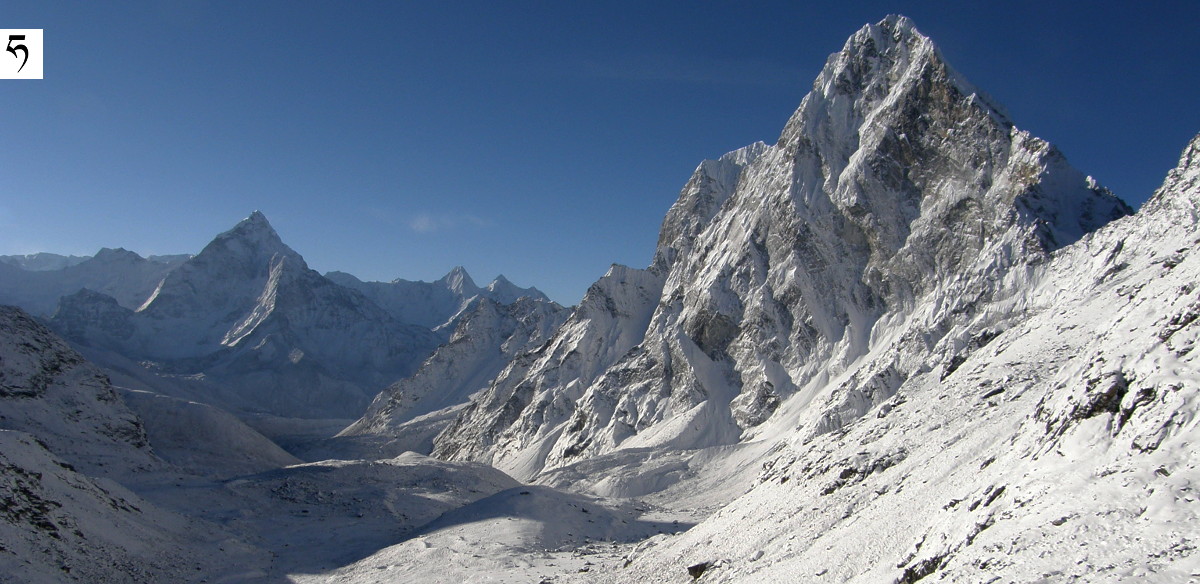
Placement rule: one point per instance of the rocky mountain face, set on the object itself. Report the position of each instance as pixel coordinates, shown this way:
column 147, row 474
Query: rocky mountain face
column 897, row 206
column 435, row 304
column 268, row 333
column 608, row 323
column 1052, row 440
column 36, row 282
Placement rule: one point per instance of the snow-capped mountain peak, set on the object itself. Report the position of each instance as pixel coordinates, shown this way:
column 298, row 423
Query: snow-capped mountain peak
column 894, row 205
column 251, row 240
column 505, row 292
column 460, row 282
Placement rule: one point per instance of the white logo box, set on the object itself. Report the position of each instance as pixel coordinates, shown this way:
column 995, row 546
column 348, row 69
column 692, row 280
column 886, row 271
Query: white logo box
column 22, row 55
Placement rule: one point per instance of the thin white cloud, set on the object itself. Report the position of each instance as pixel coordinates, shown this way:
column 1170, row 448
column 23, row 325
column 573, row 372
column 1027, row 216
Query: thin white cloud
column 423, row 223
column 431, row 223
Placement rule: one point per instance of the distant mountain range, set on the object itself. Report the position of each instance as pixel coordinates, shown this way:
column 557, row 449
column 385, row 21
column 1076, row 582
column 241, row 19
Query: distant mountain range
column 245, row 324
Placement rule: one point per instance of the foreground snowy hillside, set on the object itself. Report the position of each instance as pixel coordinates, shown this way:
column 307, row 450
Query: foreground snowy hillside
column 66, row 442
column 49, row 391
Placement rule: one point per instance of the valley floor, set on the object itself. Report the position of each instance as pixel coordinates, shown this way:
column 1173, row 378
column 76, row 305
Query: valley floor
column 414, row 519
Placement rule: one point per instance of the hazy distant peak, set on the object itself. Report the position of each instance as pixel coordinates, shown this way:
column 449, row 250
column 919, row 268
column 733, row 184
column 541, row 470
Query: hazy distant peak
column 108, row 254
column 460, row 281
column 42, row 261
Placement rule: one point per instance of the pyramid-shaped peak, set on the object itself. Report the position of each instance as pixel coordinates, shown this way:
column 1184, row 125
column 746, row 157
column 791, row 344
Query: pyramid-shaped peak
column 255, row 227
column 896, row 24
column 893, row 31
column 881, row 55
column 256, row 221
column 252, row 241
column 883, row 70
column 460, row 281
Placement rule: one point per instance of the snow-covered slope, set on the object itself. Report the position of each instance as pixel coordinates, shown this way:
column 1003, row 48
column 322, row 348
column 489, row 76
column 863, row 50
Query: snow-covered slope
column 203, row 439
column 58, row 525
column 487, row 337
column 517, row 535
column 1059, row 446
column 435, row 304
column 897, row 202
column 66, row 442
column 48, row 390
column 122, row 274
column 268, row 333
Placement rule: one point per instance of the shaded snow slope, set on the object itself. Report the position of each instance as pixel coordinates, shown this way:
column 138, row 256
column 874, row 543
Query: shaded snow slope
column 316, row 517
column 203, row 439
column 897, row 203
column 66, row 441
column 50, row 391
column 58, row 525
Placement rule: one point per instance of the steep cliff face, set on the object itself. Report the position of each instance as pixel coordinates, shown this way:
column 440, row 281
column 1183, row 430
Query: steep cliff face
column 896, row 204
column 1053, row 441
column 534, row 394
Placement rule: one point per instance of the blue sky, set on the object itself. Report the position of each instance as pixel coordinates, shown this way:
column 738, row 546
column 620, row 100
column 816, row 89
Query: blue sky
column 541, row 140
